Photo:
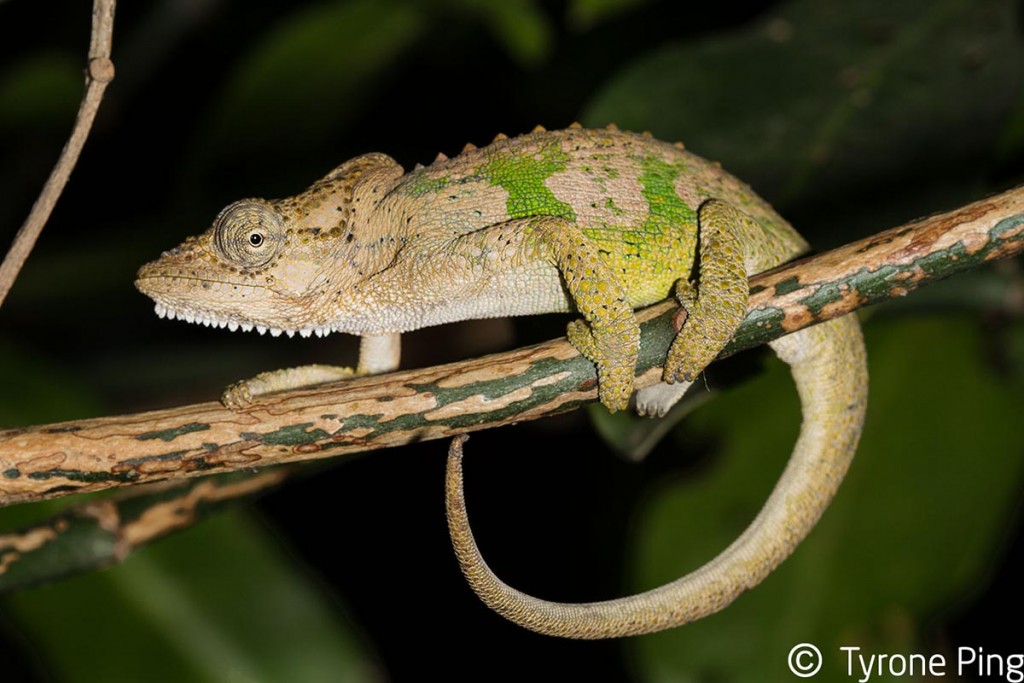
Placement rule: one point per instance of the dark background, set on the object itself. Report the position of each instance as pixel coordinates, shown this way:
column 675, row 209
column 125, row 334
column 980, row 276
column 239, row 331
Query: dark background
column 849, row 117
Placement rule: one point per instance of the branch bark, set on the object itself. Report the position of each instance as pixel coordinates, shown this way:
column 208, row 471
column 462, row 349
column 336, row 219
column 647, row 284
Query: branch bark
column 98, row 74
column 388, row 410
column 99, row 533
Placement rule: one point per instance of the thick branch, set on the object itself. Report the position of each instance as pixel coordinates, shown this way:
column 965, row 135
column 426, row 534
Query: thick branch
column 98, row 74
column 389, row 410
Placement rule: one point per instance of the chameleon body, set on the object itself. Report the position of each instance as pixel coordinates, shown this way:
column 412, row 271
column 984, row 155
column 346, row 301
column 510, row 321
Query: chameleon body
column 598, row 222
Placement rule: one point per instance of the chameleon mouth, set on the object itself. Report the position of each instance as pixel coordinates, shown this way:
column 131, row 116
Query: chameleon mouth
column 164, row 311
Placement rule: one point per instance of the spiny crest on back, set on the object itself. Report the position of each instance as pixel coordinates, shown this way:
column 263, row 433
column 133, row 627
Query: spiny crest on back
column 501, row 141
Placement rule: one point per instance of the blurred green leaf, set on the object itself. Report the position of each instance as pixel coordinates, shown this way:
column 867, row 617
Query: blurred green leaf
column 1011, row 144
column 40, row 91
column 312, row 73
column 217, row 603
column 827, row 96
column 585, row 14
column 631, row 436
column 940, row 459
column 519, row 25
column 36, row 391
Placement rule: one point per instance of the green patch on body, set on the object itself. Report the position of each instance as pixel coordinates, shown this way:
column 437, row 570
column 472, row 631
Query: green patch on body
column 420, row 184
column 667, row 209
column 523, row 175
column 610, row 204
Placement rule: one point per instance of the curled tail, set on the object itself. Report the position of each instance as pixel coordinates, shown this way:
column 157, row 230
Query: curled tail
column 829, row 367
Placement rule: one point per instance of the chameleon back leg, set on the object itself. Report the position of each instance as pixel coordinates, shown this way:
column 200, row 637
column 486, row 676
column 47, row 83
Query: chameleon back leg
column 714, row 307
column 377, row 354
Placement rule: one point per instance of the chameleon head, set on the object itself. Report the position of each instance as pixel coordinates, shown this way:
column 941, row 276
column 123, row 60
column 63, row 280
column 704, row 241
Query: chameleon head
column 287, row 265
column 251, row 269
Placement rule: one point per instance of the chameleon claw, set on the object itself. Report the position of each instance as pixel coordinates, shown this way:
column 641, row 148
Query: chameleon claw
column 237, row 396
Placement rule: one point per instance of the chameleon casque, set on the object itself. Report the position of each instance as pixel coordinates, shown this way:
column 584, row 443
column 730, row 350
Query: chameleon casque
column 596, row 222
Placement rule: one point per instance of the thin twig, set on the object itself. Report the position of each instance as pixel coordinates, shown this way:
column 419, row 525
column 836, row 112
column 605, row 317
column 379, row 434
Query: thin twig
column 388, row 410
column 98, row 74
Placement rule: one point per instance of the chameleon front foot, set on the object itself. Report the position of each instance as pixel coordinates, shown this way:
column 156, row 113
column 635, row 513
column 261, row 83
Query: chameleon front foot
column 240, row 395
column 615, row 360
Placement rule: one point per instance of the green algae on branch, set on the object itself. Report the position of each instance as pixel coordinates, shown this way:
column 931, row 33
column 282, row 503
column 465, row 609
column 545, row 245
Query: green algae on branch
column 374, row 412
column 172, row 434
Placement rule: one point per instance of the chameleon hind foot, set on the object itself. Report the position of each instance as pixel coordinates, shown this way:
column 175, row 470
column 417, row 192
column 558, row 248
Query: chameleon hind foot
column 718, row 302
column 377, row 353
column 616, row 370
column 240, row 395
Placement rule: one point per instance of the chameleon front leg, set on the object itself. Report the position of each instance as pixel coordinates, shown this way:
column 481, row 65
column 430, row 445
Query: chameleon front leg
column 829, row 367
column 608, row 335
column 377, row 354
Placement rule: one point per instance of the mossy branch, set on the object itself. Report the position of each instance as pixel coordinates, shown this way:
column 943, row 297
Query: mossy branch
column 374, row 412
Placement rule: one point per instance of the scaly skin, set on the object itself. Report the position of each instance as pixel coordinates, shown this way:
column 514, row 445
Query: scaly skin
column 829, row 367
column 594, row 221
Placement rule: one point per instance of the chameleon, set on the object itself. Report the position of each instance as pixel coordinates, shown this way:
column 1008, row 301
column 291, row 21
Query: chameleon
column 595, row 222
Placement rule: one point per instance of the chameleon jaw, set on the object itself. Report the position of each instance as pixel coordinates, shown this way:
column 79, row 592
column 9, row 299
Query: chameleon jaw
column 164, row 311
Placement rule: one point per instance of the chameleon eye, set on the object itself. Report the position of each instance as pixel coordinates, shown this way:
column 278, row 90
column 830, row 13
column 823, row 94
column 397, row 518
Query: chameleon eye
column 249, row 233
